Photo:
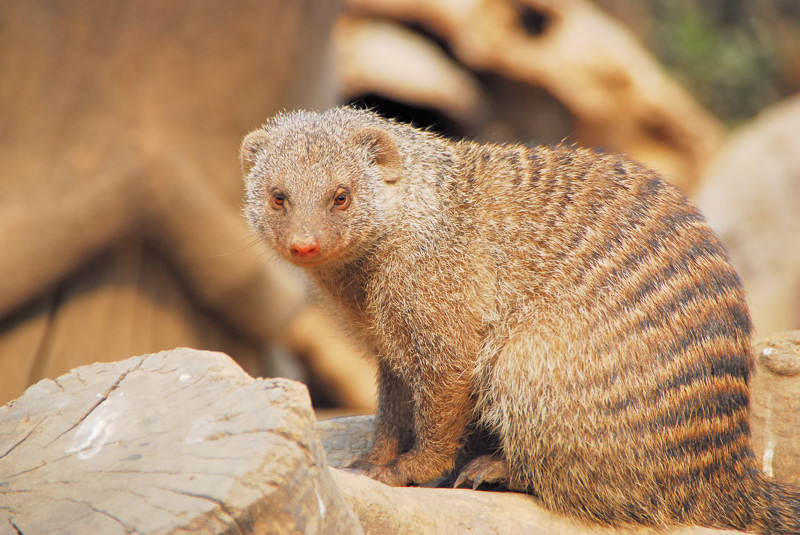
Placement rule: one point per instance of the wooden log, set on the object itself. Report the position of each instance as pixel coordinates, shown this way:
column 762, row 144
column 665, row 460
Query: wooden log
column 185, row 441
column 176, row 442
column 382, row 509
column 775, row 404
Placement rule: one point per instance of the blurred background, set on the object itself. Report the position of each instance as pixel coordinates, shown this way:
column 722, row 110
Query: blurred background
column 120, row 191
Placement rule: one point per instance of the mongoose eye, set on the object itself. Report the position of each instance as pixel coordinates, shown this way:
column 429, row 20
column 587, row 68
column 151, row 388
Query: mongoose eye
column 342, row 200
column 277, row 200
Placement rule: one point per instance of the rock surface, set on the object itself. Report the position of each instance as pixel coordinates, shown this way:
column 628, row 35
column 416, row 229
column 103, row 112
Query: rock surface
column 176, row 442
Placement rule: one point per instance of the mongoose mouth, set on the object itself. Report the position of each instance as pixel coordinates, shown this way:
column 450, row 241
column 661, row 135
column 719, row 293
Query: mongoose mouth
column 308, row 262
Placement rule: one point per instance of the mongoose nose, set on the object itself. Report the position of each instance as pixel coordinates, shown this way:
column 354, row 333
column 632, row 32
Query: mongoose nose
column 305, row 249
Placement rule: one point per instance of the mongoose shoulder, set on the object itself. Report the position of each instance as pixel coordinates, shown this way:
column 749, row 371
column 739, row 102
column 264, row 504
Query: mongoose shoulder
column 567, row 303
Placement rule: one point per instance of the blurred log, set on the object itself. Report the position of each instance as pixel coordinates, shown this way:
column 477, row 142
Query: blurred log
column 120, row 194
column 751, row 196
column 329, row 352
column 619, row 96
column 390, row 60
column 105, row 137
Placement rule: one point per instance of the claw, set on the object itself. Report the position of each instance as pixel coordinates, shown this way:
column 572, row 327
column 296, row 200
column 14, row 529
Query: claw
column 483, row 469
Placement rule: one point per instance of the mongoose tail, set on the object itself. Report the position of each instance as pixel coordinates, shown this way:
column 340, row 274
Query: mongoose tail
column 781, row 510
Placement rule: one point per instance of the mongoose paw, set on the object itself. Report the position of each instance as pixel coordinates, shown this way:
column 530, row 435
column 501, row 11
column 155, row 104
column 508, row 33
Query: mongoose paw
column 386, row 474
column 485, row 469
column 357, row 465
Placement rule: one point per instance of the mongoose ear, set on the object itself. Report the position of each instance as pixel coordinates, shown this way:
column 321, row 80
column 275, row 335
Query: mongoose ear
column 252, row 145
column 383, row 149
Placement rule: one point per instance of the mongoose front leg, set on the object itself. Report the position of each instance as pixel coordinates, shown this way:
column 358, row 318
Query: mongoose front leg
column 442, row 410
column 394, row 424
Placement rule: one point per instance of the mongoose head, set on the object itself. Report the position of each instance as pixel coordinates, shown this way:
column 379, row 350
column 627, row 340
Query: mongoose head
column 318, row 184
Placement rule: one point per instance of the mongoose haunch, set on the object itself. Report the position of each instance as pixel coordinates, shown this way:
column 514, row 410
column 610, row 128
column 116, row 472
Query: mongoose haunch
column 567, row 303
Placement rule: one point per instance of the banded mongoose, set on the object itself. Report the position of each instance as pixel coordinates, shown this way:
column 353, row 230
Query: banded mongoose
column 566, row 302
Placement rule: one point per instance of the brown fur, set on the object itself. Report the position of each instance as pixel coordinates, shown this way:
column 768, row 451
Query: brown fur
column 568, row 303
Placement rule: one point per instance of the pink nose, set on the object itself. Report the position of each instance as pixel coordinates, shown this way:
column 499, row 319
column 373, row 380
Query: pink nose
column 305, row 249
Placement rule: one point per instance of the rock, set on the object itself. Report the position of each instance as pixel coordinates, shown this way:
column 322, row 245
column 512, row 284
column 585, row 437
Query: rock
column 175, row 442
column 775, row 402
column 751, row 196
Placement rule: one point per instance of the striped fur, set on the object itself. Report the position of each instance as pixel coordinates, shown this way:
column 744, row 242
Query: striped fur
column 568, row 303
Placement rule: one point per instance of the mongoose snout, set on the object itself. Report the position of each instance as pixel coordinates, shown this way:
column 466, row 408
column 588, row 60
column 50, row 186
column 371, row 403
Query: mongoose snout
column 306, row 247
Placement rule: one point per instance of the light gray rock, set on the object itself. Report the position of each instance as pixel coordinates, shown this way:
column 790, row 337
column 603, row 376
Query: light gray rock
column 176, row 442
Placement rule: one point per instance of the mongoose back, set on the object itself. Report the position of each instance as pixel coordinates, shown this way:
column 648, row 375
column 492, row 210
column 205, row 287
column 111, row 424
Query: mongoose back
column 566, row 303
